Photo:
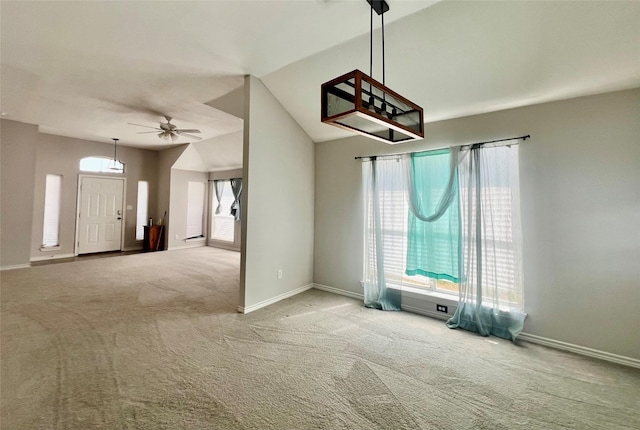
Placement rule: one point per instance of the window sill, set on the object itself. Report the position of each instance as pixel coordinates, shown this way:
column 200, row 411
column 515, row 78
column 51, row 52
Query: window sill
column 419, row 293
column 226, row 242
column 50, row 248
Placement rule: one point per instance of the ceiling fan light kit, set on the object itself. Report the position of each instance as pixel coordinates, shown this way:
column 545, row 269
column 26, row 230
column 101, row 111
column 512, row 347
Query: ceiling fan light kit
column 357, row 102
column 170, row 132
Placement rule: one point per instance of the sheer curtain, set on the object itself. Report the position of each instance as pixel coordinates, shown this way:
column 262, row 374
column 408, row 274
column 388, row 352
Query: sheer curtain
column 385, row 229
column 491, row 295
column 236, row 187
column 218, row 187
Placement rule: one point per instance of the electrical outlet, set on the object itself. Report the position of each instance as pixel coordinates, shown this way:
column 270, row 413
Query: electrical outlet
column 279, row 274
column 442, row 308
column 177, row 237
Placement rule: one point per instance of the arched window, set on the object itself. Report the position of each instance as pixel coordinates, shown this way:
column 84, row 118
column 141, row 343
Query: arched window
column 101, row 165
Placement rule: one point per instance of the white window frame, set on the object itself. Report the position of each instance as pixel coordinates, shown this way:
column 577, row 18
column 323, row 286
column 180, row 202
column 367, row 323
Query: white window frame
column 226, row 207
column 142, row 208
column 101, row 165
column 402, row 281
column 195, row 210
column 422, row 285
column 51, row 216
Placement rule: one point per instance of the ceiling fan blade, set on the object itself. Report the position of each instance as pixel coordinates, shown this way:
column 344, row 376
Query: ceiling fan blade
column 146, row 126
column 145, row 132
column 187, row 130
column 191, row 136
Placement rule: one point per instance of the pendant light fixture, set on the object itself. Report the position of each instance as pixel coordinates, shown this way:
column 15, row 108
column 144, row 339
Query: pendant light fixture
column 115, row 165
column 357, row 102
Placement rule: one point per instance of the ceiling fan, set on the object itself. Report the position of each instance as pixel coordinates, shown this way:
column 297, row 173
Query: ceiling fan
column 170, row 132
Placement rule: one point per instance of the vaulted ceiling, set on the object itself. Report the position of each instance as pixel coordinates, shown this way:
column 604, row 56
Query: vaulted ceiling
column 87, row 69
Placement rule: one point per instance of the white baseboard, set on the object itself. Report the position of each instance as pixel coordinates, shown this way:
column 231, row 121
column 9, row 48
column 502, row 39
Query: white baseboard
column 15, row 266
column 582, row 350
column 275, row 299
column 577, row 349
column 188, row 245
column 230, row 247
column 201, row 240
column 412, row 309
column 338, row 291
column 52, row 257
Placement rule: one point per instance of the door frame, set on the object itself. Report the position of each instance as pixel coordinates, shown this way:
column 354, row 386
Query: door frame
column 81, row 176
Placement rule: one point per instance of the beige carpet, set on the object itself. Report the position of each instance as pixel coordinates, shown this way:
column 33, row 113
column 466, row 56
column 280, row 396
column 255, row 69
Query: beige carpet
column 152, row 341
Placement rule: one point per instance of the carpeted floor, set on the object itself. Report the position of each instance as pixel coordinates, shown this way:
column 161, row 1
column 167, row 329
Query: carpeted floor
column 152, row 341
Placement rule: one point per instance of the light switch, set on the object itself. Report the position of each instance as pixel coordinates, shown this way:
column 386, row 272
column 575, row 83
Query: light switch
column 129, row 207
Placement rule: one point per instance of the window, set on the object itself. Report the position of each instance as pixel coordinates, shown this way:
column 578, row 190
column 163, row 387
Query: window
column 143, row 208
column 394, row 229
column 195, row 210
column 51, row 225
column 101, row 165
column 223, row 223
column 466, row 232
column 500, row 229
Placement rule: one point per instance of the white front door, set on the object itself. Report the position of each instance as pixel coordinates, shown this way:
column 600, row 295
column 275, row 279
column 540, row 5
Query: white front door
column 100, row 214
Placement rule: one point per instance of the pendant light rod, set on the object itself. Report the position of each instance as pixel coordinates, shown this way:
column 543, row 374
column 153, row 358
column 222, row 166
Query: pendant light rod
column 114, row 165
column 380, row 6
column 383, row 71
column 371, row 43
column 115, row 148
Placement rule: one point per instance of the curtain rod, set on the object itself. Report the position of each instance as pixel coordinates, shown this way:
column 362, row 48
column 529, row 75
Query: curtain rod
column 466, row 144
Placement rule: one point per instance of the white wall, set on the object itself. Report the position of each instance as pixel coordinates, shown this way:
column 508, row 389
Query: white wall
column 166, row 160
column 190, row 159
column 178, row 207
column 278, row 200
column 61, row 156
column 27, row 157
column 18, row 147
column 580, row 188
column 231, row 103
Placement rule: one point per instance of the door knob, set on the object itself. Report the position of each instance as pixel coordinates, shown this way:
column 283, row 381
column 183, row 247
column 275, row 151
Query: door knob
column 119, row 217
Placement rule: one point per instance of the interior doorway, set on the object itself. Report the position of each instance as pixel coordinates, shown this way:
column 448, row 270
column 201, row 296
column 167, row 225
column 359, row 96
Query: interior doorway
column 100, row 214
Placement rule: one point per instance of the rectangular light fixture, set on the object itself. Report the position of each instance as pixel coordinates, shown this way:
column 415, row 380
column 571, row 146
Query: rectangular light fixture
column 359, row 103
